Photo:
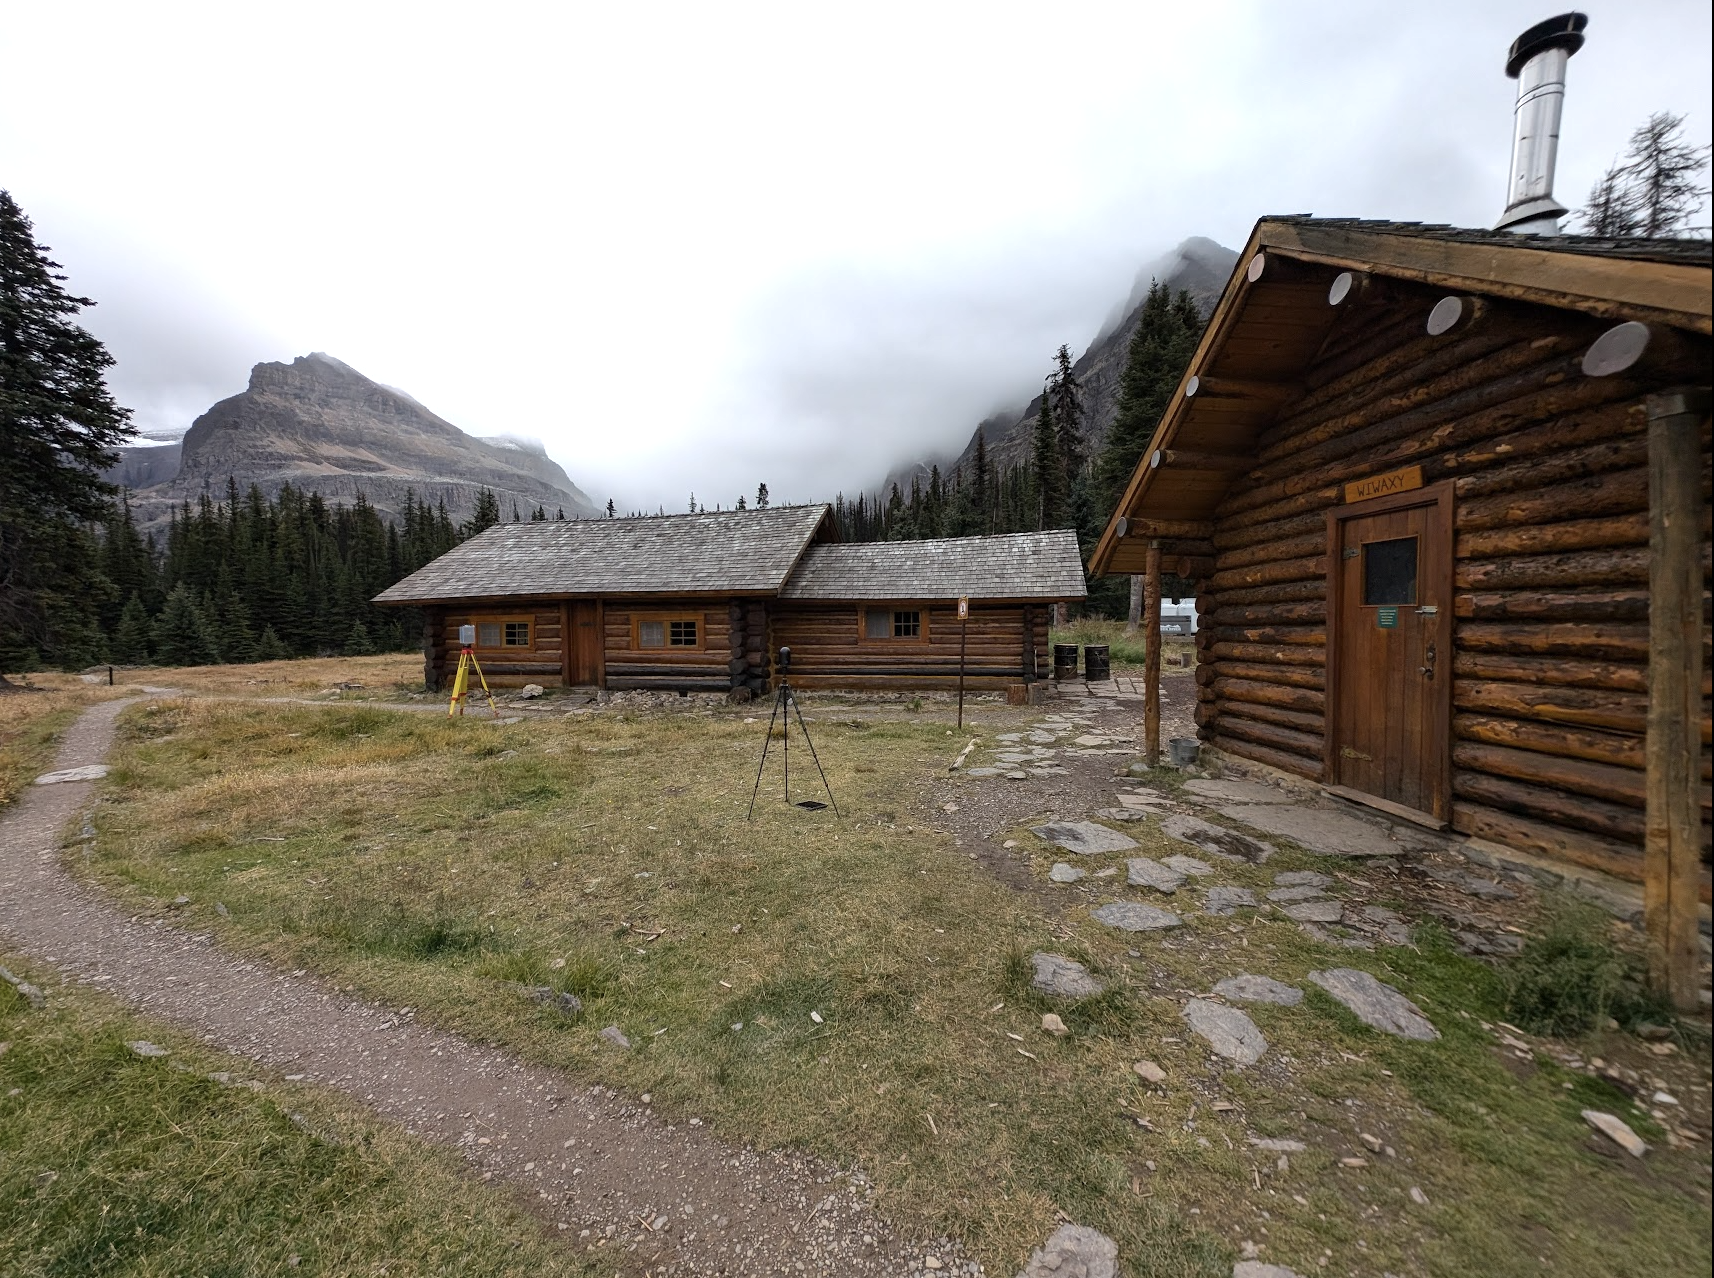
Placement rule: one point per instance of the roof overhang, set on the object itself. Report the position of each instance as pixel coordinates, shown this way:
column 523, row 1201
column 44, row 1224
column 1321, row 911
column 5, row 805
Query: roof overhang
column 1272, row 320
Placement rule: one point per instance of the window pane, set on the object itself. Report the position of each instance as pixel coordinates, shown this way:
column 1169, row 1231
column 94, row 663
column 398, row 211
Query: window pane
column 1389, row 571
column 517, row 634
column 681, row 634
column 488, row 634
column 907, row 625
column 651, row 634
column 877, row 624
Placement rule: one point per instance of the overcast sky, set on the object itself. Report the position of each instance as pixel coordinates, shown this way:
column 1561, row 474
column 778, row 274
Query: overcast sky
column 695, row 246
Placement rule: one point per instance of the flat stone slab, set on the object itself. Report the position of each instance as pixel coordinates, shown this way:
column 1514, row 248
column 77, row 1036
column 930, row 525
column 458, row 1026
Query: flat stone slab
column 1302, row 878
column 1279, row 1145
column 1227, row 1031
column 1147, row 873
column 1224, row 900
column 1187, row 865
column 1333, row 833
column 1146, row 799
column 1377, row 1004
column 1074, row 1251
column 1236, row 791
column 1259, row 1269
column 1132, row 916
column 1085, row 837
column 1315, row 912
column 1259, row 989
column 94, row 772
column 1055, row 974
column 982, row 772
column 1217, row 840
column 1064, row 873
column 1303, row 892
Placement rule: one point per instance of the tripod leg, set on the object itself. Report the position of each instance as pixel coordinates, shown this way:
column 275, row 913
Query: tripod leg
column 817, row 758
column 485, row 691
column 766, row 742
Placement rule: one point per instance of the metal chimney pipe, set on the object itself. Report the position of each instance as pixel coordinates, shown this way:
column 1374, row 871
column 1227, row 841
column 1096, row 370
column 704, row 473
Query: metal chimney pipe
column 1537, row 62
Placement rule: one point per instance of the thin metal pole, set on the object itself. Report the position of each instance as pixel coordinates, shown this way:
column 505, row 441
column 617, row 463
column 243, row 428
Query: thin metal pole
column 812, row 754
column 766, row 742
column 786, row 733
column 963, row 642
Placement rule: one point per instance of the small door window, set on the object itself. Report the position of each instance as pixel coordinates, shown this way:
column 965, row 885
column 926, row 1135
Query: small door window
column 1389, row 571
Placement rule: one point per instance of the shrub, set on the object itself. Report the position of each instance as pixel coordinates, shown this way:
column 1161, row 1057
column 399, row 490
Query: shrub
column 1571, row 977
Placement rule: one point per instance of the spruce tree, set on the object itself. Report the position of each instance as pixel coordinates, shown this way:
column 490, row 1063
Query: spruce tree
column 1161, row 348
column 269, row 647
column 1068, row 414
column 183, row 636
column 60, row 426
column 1048, row 467
column 358, row 643
column 130, row 645
column 761, row 496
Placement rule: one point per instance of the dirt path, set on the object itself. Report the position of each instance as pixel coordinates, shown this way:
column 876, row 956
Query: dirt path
column 600, row 1167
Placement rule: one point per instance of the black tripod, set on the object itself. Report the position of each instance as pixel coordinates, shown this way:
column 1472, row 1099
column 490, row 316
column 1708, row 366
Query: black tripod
column 784, row 705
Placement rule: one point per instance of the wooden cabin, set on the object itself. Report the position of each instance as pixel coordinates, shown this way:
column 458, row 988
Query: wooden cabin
column 1444, row 494
column 703, row 603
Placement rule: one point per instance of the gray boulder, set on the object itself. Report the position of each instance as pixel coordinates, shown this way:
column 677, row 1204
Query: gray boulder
column 1377, row 1004
column 1227, row 1031
column 1147, row 873
column 1055, row 974
column 1074, row 1251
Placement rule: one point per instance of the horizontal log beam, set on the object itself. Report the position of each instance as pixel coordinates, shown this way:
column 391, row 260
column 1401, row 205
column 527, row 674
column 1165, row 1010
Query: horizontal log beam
column 1623, row 786
column 1602, row 604
column 1276, row 654
column 1615, row 641
column 1618, row 748
column 1610, row 856
column 1584, row 707
column 1539, row 539
column 1302, row 720
column 1561, row 672
column 1574, row 812
column 1270, row 694
column 1622, row 567
column 1286, row 761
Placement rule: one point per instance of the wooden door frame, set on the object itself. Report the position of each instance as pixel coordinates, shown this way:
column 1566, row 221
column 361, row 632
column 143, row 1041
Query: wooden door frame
column 1441, row 497
column 568, row 650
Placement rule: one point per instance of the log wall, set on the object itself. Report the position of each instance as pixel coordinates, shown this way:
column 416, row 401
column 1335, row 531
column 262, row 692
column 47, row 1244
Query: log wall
column 709, row 667
column 504, row 668
column 1550, row 665
column 1007, row 644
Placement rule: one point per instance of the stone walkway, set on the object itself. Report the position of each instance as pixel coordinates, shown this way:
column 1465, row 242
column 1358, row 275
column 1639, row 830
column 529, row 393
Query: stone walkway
column 599, row 1167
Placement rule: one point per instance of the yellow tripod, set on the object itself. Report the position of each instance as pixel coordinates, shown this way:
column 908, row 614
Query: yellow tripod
column 461, row 683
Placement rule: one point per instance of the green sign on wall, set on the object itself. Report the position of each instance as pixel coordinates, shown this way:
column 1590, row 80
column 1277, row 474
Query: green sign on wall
column 1387, row 618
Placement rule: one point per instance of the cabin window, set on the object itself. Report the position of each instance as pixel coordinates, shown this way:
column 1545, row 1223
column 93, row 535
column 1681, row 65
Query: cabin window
column 1389, row 571
column 503, row 632
column 892, row 623
column 668, row 632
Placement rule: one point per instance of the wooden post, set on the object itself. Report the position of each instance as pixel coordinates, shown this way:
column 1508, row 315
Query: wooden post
column 1152, row 654
column 1672, row 838
column 963, row 645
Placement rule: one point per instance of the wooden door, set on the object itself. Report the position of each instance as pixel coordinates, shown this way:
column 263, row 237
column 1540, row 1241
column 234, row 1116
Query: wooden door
column 583, row 647
column 1390, row 667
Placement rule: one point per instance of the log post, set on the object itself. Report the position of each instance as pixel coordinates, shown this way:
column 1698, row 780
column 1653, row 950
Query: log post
column 1672, row 836
column 1152, row 655
column 1134, row 616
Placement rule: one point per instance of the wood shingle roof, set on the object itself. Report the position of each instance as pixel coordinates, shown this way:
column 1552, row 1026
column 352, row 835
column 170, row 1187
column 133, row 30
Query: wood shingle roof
column 734, row 552
column 1040, row 565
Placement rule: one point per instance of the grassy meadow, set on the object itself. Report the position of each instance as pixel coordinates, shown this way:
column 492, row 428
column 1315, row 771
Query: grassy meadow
column 442, row 863
column 113, row 1163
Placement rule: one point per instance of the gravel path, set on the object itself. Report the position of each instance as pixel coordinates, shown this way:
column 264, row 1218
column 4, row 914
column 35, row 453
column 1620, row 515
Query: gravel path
column 600, row 1167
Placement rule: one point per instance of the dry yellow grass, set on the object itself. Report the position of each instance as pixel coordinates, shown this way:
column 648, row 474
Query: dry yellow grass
column 31, row 723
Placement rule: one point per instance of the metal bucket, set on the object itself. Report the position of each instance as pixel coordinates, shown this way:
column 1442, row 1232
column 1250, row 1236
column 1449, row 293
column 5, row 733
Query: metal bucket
column 1096, row 668
column 1065, row 661
column 1183, row 751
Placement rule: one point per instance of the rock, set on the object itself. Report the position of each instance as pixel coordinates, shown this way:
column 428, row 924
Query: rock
column 31, row 993
column 530, row 691
column 1217, row 840
column 1376, row 1004
column 1236, row 791
column 1616, row 1130
column 1017, row 776
column 144, row 1048
column 94, row 772
column 1064, row 873
column 1418, row 1197
column 1122, row 815
column 1227, row 1030
column 1256, row 1269
column 1370, row 1141
column 1132, row 916
column 1315, row 912
column 1259, row 989
column 565, row 1004
column 1302, row 878
column 1147, row 873
column 1275, row 1145
column 1074, row 1251
column 220, row 909
column 180, row 901
column 1085, row 837
column 1149, row 1072
column 1303, row 893
column 1058, row 975
column 614, row 1035
column 982, row 772
column 1187, row 865
column 1089, row 739
column 1333, row 833
column 1224, row 900
column 1487, row 889
column 1649, row 1032
column 1051, row 1024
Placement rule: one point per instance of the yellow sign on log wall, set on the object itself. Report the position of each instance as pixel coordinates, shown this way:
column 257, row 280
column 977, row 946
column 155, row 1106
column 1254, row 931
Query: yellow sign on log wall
column 1394, row 481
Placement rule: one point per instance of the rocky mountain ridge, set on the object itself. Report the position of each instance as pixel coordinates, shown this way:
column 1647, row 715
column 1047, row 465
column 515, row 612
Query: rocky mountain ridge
column 318, row 424
column 1198, row 265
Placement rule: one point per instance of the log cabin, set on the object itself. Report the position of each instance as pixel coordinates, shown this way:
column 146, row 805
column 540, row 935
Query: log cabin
column 1445, row 496
column 703, row 602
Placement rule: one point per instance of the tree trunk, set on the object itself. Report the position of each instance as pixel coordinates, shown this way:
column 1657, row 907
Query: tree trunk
column 1135, row 616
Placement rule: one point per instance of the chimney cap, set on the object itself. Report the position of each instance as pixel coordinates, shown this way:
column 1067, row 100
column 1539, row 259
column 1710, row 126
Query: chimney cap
column 1564, row 32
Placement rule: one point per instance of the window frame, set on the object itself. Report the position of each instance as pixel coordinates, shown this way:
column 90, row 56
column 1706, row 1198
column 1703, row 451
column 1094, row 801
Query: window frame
column 892, row 610
column 502, row 620
column 666, row 619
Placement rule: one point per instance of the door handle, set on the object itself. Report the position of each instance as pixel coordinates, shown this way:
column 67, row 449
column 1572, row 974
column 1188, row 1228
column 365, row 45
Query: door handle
column 1428, row 668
